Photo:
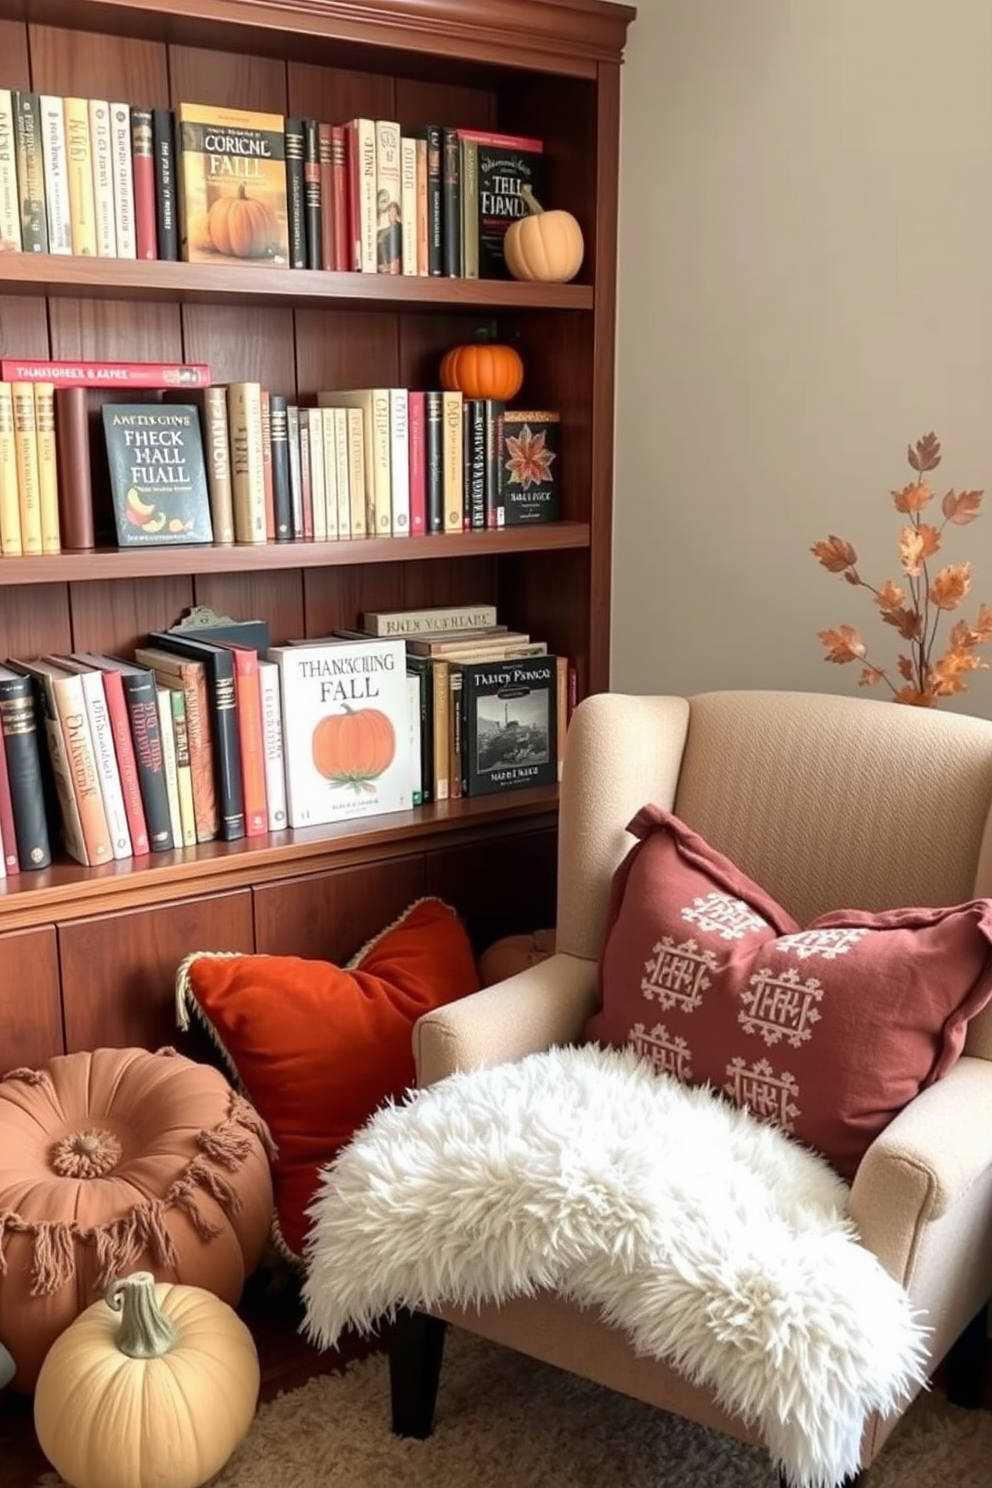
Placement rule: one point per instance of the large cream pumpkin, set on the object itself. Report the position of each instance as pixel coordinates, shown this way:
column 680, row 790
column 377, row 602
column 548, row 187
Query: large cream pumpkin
column 543, row 246
column 121, row 1159
column 153, row 1387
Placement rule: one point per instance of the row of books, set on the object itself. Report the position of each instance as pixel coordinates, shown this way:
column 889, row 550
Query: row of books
column 237, row 463
column 106, row 179
column 203, row 736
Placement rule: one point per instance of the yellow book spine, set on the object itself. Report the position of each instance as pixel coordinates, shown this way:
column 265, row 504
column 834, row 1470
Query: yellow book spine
column 79, row 153
column 48, row 475
column 28, row 480
column 356, row 472
column 244, row 415
column 10, row 500
column 452, row 462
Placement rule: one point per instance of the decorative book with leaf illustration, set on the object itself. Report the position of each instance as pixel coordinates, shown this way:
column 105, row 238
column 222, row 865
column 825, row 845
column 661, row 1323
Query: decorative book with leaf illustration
column 530, row 484
column 158, row 477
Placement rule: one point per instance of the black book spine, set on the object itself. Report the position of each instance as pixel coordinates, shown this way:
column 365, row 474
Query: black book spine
column 434, row 462
column 21, row 744
column 474, row 435
column 421, row 667
column 146, row 735
column 451, row 206
column 435, row 231
column 282, row 500
column 30, row 172
column 166, row 203
column 223, row 703
column 495, row 408
column 295, row 205
column 313, row 203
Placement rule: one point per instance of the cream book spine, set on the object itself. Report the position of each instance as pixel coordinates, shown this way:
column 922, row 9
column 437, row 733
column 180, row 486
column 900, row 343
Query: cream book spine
column 48, row 471
column 108, row 771
column 10, row 206
column 244, row 418
column 55, row 164
column 399, row 461
column 82, row 204
column 10, row 497
column 275, row 771
column 123, row 178
column 408, row 203
column 452, row 462
column 342, row 449
column 28, row 482
column 325, row 417
column 102, row 156
column 318, row 494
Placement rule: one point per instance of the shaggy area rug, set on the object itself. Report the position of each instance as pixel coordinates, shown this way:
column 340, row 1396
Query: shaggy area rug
column 502, row 1418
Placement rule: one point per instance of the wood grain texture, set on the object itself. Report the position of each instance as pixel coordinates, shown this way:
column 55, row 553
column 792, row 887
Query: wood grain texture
column 330, row 917
column 499, row 888
column 111, row 65
column 30, row 1006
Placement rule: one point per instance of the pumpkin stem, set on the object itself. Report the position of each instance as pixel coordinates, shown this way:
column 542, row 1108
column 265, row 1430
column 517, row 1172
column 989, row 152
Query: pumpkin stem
column 242, row 193
column 145, row 1331
column 530, row 201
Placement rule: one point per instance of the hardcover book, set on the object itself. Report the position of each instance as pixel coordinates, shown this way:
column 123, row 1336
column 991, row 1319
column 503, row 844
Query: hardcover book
column 158, row 474
column 346, row 729
column 530, row 490
column 509, row 724
column 233, row 185
column 505, row 163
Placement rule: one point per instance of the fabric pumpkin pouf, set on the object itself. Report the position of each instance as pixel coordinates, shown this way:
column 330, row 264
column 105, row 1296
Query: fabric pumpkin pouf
column 118, row 1160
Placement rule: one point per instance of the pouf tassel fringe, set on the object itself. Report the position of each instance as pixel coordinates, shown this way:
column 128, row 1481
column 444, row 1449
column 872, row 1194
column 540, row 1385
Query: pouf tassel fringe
column 32, row 1077
column 218, row 1187
column 243, row 1113
column 53, row 1260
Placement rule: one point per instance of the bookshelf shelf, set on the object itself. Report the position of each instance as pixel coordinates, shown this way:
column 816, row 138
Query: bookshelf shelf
column 148, row 281
column 147, row 563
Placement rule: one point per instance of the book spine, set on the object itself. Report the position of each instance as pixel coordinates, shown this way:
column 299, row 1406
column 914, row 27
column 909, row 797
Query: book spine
column 469, row 164
column 184, row 774
column 388, row 195
column 421, row 667
column 325, row 167
column 434, row 460
column 281, row 496
column 79, row 153
column 441, row 693
column 455, row 731
column 28, row 482
column 295, row 474
column 275, row 774
column 414, row 693
column 127, row 765
column 218, row 457
column 11, row 545
column 201, row 754
column 295, row 204
column 495, row 408
column 365, row 178
column 244, row 416
column 306, row 473
column 166, row 205
column 329, row 460
column 435, row 201
column 106, row 375
column 451, row 209
column 53, row 154
column 123, row 180
column 30, row 172
column 381, row 523
column 55, row 755
column 265, row 406
column 311, row 420
column 421, row 210
column 143, row 175
column 357, row 479
column 417, row 432
column 48, row 470
column 223, row 727
column 19, row 723
column 342, row 474
column 142, row 703
column 251, row 741
column 72, row 445
column 8, row 832
column 399, row 461
column 167, row 735
column 313, row 195
column 408, row 203
column 108, row 769
column 343, row 234
column 10, row 206
column 83, row 771
column 101, row 149
column 452, row 461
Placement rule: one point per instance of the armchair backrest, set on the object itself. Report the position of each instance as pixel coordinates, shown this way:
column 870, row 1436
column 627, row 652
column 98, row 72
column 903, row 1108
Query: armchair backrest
column 827, row 802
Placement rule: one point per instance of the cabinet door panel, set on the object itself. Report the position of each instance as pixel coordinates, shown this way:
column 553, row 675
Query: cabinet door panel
column 503, row 887
column 119, row 971
column 330, row 916
column 30, row 1012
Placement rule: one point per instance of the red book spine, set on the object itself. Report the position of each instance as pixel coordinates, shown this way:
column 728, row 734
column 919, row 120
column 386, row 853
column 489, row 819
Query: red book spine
column 509, row 141
column 325, row 157
column 127, row 764
column 251, row 737
column 343, row 231
column 417, row 433
column 8, row 831
column 107, row 374
column 143, row 175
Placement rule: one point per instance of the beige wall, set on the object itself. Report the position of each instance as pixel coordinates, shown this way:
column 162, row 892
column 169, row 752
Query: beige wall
column 805, row 286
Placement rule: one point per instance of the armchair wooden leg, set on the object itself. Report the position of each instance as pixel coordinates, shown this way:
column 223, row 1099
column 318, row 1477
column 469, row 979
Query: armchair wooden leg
column 966, row 1368
column 416, row 1347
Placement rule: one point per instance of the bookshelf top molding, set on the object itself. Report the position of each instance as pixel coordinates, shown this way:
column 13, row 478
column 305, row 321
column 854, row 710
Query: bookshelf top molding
column 563, row 36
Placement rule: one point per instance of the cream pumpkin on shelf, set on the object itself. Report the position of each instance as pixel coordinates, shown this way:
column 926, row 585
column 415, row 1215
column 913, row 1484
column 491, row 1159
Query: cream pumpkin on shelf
column 546, row 246
column 154, row 1387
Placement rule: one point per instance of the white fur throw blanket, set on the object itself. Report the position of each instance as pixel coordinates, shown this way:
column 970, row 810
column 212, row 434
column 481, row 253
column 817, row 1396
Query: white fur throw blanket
column 715, row 1242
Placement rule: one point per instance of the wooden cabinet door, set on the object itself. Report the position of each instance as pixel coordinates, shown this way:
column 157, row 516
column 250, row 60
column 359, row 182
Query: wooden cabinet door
column 330, row 916
column 30, row 1012
column 119, row 971
column 506, row 886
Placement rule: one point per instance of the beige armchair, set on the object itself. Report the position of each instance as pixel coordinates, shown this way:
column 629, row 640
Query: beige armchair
column 828, row 803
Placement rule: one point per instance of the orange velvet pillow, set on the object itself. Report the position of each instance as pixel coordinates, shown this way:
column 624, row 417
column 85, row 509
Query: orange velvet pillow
column 317, row 1048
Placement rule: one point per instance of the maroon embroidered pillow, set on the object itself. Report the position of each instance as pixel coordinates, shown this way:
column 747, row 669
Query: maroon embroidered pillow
column 827, row 1030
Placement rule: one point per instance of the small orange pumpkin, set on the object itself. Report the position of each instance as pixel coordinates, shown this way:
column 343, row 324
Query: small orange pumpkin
column 546, row 246
column 353, row 748
column 482, row 370
column 240, row 226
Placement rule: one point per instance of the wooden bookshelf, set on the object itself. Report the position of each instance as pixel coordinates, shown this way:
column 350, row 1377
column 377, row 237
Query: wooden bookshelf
column 89, row 955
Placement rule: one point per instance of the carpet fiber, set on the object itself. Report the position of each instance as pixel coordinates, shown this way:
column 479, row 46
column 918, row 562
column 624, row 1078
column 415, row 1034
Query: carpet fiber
column 504, row 1419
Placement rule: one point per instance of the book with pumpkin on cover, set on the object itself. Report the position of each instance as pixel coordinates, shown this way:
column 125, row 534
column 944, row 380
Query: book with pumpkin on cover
column 232, row 185
column 346, row 729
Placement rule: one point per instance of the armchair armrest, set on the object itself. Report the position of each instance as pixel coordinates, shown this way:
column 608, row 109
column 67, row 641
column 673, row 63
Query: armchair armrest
column 545, row 1005
column 924, row 1161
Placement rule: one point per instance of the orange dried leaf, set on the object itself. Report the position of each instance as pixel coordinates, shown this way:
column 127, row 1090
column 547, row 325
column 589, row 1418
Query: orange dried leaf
column 983, row 625
column 950, row 586
column 926, row 455
column 911, row 551
column 843, row 644
column 890, row 595
column 835, row 554
column 908, row 622
column 912, row 498
column 906, row 668
column 870, row 677
column 961, row 507
column 916, row 697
